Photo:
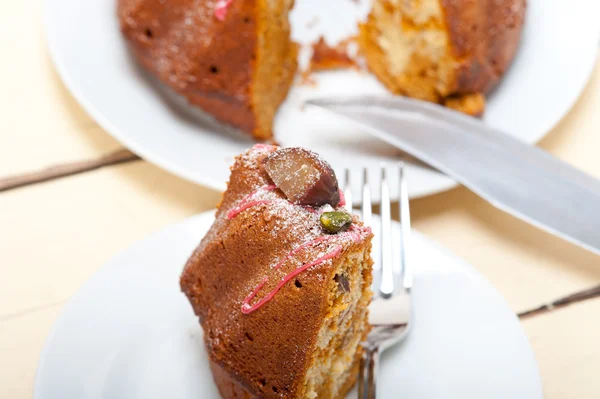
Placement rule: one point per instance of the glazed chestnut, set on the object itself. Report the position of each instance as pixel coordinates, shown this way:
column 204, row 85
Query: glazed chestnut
column 343, row 283
column 303, row 176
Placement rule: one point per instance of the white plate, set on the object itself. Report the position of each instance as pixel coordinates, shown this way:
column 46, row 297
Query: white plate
column 130, row 333
column 554, row 62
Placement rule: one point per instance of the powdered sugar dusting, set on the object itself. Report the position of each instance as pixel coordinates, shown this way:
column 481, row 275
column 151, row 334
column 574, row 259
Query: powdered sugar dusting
column 302, row 222
column 251, row 201
column 328, row 247
column 296, row 224
column 250, row 159
column 247, row 308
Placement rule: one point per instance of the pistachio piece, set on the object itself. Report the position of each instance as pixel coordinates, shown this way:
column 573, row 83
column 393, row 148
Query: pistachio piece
column 335, row 221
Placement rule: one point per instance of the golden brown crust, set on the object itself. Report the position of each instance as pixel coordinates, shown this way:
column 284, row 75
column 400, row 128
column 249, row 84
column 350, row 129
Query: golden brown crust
column 230, row 388
column 267, row 351
column 227, row 386
column 505, row 33
column 484, row 36
column 209, row 61
column 187, row 48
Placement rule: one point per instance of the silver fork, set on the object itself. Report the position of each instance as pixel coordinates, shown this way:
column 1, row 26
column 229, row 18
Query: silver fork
column 390, row 310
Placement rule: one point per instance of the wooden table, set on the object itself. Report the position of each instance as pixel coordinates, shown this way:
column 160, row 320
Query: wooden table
column 55, row 235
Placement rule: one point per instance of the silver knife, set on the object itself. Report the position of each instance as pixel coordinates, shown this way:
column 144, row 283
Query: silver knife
column 518, row 178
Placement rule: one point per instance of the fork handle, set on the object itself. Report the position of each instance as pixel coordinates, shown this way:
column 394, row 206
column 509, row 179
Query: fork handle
column 367, row 379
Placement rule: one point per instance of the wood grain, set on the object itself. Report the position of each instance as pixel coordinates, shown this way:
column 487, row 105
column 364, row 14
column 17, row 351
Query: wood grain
column 66, row 169
column 568, row 300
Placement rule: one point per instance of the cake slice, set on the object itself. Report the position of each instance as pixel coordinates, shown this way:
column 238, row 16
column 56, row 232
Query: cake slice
column 281, row 282
column 447, row 52
column 232, row 58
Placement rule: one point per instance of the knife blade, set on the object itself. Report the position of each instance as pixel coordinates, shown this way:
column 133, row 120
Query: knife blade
column 520, row 179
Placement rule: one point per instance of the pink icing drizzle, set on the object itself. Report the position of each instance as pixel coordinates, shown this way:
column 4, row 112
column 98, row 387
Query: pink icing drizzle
column 261, row 146
column 234, row 212
column 300, row 248
column 342, row 198
column 221, row 9
column 247, row 203
column 247, row 308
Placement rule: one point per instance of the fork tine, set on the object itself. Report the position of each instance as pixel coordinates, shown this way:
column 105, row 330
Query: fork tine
column 404, row 231
column 386, row 287
column 366, row 199
column 348, row 191
column 390, row 313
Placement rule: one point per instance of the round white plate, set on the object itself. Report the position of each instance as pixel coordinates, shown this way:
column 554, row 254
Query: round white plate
column 130, row 333
column 555, row 59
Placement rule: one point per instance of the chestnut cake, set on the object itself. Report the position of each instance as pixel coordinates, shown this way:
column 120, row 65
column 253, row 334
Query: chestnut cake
column 281, row 281
column 233, row 59
column 450, row 52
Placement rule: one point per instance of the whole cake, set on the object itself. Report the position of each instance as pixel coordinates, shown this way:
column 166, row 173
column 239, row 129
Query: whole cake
column 234, row 59
column 450, row 52
column 281, row 282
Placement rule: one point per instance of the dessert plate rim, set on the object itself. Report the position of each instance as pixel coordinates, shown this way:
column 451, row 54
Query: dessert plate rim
column 91, row 350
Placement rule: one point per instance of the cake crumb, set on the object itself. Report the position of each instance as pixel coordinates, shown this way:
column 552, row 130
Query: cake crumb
column 306, row 78
column 325, row 57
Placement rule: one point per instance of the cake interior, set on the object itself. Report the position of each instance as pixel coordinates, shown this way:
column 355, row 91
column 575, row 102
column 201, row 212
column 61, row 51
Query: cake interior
column 275, row 64
column 334, row 365
column 408, row 47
